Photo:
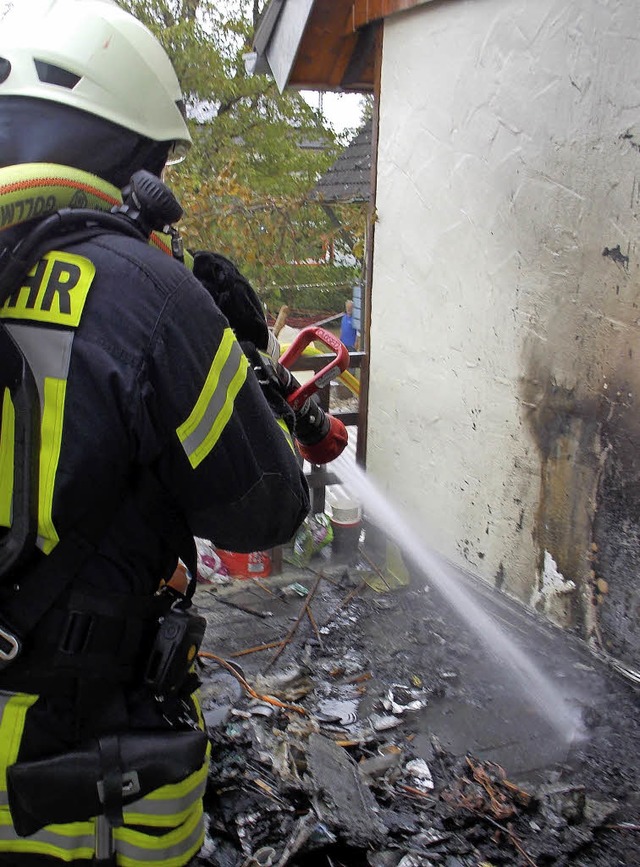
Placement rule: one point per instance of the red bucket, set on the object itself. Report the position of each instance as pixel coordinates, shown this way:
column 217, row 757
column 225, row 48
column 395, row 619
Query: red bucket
column 254, row 565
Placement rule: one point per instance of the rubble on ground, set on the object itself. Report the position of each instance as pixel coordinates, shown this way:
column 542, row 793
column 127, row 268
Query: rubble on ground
column 319, row 760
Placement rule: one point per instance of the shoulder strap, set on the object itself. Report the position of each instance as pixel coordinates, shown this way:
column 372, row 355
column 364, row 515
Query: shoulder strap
column 19, row 407
column 69, row 226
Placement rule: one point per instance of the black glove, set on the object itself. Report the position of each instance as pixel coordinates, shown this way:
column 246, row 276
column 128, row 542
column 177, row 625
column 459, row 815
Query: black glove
column 237, row 300
column 234, row 295
column 272, row 387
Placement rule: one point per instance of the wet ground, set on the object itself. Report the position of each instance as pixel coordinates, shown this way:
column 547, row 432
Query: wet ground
column 456, row 760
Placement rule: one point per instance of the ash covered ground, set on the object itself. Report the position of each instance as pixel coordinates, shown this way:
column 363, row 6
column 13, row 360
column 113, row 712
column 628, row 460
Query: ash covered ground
column 359, row 721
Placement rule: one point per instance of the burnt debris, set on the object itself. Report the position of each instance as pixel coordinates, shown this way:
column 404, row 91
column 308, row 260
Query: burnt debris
column 324, row 753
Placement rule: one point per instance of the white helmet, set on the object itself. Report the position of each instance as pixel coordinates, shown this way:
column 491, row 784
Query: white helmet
column 93, row 56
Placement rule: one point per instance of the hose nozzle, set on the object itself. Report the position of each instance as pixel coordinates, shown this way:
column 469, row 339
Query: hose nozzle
column 327, row 449
column 320, row 437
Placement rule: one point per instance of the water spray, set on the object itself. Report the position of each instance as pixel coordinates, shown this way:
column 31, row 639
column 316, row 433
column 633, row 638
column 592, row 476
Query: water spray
column 551, row 703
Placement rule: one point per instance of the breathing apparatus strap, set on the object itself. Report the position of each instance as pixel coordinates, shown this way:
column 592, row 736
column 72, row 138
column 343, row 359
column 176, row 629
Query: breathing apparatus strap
column 19, row 390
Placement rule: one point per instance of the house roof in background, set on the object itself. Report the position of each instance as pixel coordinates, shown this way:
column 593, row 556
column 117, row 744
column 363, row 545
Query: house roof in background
column 349, row 178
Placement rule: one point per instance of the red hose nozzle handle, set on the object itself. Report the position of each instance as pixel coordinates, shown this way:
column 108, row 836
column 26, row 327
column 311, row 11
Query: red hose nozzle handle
column 340, row 363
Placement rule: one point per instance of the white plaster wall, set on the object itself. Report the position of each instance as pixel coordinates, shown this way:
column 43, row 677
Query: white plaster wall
column 507, row 164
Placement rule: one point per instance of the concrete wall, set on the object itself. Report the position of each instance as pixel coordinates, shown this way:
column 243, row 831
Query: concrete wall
column 505, row 312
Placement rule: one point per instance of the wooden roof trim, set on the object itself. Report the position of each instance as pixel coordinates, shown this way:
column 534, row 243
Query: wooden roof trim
column 366, row 11
column 329, row 26
column 336, row 48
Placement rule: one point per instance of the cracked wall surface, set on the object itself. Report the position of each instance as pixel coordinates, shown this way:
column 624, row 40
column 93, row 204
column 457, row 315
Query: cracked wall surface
column 503, row 408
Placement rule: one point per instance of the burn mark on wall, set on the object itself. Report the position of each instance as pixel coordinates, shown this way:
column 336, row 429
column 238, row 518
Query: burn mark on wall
column 566, row 429
column 588, row 514
column 616, row 532
column 470, row 551
column 616, row 254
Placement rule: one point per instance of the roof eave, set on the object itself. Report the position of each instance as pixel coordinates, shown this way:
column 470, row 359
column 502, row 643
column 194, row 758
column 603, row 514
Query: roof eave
column 278, row 38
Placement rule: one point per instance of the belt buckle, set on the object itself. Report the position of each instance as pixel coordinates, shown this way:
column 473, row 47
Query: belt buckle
column 130, row 785
column 10, row 647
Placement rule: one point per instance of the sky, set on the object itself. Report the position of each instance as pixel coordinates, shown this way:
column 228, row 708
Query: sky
column 342, row 110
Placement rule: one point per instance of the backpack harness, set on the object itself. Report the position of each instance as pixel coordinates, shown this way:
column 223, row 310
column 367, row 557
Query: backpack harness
column 103, row 634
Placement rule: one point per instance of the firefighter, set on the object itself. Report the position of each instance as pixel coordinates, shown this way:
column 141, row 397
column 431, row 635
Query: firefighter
column 153, row 430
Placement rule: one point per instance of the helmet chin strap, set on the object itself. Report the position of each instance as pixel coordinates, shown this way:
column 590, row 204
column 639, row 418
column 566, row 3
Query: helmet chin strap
column 36, row 190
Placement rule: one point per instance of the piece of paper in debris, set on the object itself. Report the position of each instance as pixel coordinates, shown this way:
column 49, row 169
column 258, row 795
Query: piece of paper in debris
column 419, row 770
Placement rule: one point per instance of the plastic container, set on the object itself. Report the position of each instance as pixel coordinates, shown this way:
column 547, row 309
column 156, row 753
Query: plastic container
column 346, row 512
column 254, row 565
column 346, row 522
column 346, row 538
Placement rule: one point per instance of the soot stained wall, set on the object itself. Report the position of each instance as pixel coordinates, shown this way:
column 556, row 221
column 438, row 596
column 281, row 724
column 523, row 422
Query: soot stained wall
column 505, row 312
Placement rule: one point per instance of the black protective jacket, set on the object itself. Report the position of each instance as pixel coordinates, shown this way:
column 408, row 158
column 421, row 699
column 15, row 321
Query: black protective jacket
column 138, row 370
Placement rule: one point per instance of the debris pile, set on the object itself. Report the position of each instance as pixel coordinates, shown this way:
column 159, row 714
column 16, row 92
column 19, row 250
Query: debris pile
column 315, row 760
column 282, row 791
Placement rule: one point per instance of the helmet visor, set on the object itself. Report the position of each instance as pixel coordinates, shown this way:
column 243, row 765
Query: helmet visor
column 179, row 149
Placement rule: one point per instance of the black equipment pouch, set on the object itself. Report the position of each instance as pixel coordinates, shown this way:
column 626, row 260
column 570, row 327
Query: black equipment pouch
column 100, row 777
column 174, row 650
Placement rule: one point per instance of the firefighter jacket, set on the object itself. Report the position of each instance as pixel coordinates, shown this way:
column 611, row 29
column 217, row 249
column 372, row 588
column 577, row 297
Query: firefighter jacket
column 136, row 367
column 137, row 371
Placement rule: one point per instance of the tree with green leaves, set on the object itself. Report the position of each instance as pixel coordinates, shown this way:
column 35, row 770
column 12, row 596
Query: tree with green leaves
column 257, row 155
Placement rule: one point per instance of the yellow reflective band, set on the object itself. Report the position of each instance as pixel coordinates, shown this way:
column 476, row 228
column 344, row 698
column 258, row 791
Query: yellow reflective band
column 173, row 849
column 195, row 698
column 160, row 814
column 287, row 434
column 7, row 434
column 135, row 843
column 172, row 802
column 52, row 415
column 66, row 842
column 227, row 374
column 55, row 290
column 14, row 711
column 72, row 842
